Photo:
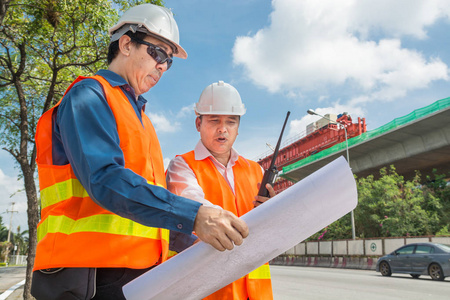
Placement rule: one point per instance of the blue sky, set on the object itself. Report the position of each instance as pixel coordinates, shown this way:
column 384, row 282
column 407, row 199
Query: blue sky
column 374, row 59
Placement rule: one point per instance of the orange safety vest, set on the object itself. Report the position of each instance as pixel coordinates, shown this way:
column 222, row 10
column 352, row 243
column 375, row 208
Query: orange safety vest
column 76, row 232
column 257, row 284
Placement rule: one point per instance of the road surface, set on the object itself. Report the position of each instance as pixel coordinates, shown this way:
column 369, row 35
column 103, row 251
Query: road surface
column 293, row 283
column 313, row 283
column 9, row 277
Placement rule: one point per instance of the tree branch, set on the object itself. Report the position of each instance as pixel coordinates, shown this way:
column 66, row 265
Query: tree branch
column 4, row 4
column 12, row 152
column 10, row 120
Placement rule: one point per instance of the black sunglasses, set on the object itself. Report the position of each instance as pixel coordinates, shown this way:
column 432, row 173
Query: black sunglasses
column 157, row 53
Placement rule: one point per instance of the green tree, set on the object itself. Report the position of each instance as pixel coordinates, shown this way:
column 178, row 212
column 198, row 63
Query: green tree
column 3, row 239
column 436, row 187
column 393, row 206
column 3, row 231
column 21, row 241
column 340, row 229
column 4, row 244
column 44, row 45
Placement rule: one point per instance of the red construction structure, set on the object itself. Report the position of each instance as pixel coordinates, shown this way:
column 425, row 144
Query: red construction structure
column 320, row 135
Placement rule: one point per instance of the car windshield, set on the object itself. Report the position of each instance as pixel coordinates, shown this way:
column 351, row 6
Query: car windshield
column 444, row 247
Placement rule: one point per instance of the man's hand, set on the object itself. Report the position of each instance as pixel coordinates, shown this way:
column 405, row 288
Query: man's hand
column 219, row 228
column 260, row 199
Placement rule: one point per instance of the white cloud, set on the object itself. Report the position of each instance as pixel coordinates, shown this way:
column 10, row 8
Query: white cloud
column 397, row 18
column 9, row 185
column 314, row 45
column 11, row 190
column 163, row 121
column 186, row 111
column 162, row 124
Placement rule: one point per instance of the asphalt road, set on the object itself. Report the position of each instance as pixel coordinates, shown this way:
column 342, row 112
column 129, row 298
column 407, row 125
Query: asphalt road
column 314, row 283
column 292, row 283
column 8, row 278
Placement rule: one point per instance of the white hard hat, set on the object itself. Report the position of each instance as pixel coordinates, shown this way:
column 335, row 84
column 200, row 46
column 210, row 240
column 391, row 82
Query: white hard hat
column 153, row 20
column 220, row 98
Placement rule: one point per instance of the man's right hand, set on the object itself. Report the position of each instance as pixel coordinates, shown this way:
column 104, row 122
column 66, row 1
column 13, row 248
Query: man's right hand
column 219, row 228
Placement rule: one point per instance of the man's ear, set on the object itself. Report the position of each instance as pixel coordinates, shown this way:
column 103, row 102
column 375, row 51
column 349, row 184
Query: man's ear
column 198, row 122
column 125, row 45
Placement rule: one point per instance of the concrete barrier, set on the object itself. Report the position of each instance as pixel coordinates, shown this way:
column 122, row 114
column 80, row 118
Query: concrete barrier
column 356, row 247
column 441, row 239
column 339, row 248
column 326, row 247
column 355, row 254
column 363, row 263
column 373, row 247
column 417, row 240
column 291, row 251
column 392, row 244
column 359, row 247
column 300, row 249
column 312, row 248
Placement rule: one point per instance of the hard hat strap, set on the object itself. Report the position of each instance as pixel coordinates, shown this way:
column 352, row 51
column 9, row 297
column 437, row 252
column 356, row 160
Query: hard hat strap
column 140, row 28
column 124, row 29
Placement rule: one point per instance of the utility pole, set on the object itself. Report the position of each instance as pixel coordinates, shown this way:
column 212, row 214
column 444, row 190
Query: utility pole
column 12, row 211
column 312, row 112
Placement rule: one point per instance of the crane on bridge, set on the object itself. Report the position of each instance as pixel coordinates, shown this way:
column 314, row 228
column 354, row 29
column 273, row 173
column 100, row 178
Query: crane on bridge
column 320, row 135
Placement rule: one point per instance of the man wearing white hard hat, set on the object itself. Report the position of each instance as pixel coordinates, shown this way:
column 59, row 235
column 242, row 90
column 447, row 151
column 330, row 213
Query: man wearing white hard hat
column 105, row 211
column 214, row 174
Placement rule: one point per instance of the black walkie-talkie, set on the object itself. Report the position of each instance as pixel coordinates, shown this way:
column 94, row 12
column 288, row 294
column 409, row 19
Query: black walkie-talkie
column 271, row 172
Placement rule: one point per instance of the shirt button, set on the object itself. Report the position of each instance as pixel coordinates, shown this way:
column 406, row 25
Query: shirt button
column 179, row 226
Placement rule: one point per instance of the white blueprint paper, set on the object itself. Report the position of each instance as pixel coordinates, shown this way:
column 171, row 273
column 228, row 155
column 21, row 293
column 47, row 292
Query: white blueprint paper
column 275, row 227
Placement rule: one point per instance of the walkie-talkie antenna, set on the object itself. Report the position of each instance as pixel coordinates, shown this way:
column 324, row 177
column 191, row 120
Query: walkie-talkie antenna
column 272, row 171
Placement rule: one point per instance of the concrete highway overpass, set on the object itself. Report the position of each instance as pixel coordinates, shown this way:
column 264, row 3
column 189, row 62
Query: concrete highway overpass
column 417, row 141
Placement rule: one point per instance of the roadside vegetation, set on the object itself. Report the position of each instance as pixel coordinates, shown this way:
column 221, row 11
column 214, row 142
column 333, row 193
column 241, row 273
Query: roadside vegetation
column 17, row 245
column 392, row 206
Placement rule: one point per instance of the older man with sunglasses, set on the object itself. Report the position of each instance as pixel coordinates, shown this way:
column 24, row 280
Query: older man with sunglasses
column 105, row 211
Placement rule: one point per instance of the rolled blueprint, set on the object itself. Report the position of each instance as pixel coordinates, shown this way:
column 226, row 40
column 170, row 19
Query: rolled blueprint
column 275, row 227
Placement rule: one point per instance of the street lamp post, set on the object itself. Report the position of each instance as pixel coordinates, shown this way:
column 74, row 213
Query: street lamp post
column 312, row 112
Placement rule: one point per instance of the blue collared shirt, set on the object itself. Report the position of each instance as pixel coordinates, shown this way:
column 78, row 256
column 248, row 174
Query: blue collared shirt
column 85, row 135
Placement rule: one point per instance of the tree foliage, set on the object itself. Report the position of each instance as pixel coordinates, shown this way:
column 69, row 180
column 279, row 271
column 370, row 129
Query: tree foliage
column 437, row 187
column 392, row 206
column 18, row 239
column 44, row 46
column 3, row 231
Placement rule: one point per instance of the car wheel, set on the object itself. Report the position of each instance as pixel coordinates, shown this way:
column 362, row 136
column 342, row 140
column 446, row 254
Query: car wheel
column 415, row 276
column 435, row 271
column 385, row 269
